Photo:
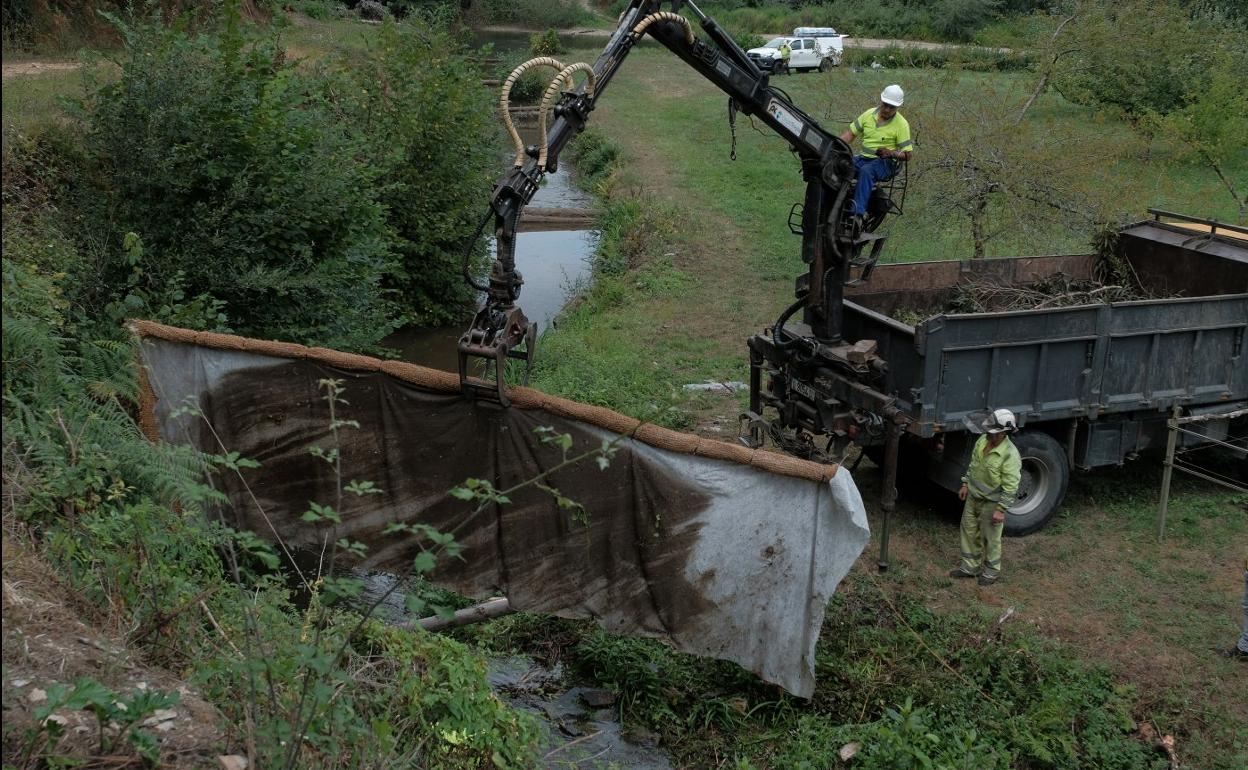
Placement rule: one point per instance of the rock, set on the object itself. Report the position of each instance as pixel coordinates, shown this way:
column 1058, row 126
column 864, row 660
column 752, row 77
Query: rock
column 232, row 762
column 36, row 696
column 598, row 698
column 641, row 736
column 160, row 715
column 849, row 751
column 19, row 683
column 371, row 10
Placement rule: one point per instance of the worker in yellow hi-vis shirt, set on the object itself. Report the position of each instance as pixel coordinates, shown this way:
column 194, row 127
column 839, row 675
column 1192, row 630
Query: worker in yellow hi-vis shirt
column 989, row 488
column 885, row 136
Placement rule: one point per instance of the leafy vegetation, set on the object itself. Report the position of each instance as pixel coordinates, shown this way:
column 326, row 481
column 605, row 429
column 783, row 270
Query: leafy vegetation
column 531, row 14
column 963, row 58
column 218, row 186
column 912, row 688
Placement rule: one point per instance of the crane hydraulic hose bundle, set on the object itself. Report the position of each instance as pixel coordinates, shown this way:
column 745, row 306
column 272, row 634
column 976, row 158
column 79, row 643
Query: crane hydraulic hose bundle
column 504, row 100
column 564, row 76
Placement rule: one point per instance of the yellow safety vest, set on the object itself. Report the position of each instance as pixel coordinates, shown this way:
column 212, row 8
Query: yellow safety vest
column 994, row 476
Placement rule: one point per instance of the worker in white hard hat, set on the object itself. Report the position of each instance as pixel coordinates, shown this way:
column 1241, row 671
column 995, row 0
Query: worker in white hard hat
column 989, row 487
column 886, row 142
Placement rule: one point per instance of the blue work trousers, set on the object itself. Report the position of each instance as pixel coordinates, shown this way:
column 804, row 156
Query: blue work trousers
column 870, row 171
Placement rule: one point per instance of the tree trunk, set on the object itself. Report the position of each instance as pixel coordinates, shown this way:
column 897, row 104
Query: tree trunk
column 977, row 225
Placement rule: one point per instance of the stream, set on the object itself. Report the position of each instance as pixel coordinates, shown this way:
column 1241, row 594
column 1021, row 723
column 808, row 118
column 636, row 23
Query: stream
column 582, row 725
column 555, row 265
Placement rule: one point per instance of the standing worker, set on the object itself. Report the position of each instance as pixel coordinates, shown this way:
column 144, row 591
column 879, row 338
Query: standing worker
column 1240, row 650
column 885, row 142
column 785, row 52
column 989, row 488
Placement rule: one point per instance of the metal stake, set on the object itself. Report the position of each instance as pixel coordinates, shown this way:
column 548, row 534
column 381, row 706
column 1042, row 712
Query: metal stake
column 1172, row 425
column 888, row 494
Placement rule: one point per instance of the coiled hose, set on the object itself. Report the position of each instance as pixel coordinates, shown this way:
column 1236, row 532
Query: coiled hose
column 563, row 78
column 504, row 99
column 675, row 18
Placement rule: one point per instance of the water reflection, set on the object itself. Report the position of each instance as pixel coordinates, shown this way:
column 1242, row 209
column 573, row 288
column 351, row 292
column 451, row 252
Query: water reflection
column 555, row 265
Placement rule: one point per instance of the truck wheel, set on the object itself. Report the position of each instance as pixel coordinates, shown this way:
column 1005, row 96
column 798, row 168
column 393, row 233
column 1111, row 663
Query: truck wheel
column 1046, row 475
column 825, row 66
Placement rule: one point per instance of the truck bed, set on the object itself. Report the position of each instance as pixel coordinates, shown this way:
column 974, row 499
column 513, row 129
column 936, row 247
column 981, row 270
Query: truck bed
column 1085, row 361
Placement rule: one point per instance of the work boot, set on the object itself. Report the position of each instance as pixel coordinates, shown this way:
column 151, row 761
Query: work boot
column 1236, row 654
column 985, row 580
column 958, row 572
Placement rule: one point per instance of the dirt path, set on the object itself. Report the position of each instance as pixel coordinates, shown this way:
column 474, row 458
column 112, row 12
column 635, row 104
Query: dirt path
column 15, row 69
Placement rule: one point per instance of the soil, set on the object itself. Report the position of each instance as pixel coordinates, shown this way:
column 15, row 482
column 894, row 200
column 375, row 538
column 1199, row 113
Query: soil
column 14, row 69
column 47, row 640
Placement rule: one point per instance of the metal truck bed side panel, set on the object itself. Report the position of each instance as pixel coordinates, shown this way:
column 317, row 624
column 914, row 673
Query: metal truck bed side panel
column 1082, row 361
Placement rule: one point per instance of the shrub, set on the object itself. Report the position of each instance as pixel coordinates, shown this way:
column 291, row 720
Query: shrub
column 430, row 129
column 973, row 59
column 545, row 43
column 233, row 169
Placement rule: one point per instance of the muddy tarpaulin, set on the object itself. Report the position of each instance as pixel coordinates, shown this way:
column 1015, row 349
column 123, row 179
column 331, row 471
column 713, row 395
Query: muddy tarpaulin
column 721, row 550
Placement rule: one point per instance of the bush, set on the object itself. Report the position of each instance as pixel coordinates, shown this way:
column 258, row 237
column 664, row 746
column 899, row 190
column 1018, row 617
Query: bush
column 545, row 43
column 219, row 187
column 966, row 58
column 430, row 129
column 235, row 171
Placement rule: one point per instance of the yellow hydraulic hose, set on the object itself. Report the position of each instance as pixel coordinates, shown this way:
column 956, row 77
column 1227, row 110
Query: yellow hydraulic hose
column 640, row 29
column 504, row 100
column 563, row 78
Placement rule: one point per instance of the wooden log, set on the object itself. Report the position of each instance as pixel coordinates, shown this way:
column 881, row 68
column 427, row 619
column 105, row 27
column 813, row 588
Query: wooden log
column 542, row 219
column 486, row 610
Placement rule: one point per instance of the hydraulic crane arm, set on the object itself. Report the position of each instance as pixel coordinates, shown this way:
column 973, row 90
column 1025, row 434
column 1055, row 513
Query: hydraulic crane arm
column 829, row 242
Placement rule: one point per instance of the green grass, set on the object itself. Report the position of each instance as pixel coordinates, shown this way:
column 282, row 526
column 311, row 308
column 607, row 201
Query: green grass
column 682, row 119
column 30, row 100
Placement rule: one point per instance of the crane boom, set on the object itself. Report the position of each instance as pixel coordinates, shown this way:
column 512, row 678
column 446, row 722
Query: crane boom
column 793, row 353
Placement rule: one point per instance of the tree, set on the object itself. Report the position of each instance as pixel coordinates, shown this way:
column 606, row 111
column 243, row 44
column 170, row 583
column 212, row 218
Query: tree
column 999, row 175
column 1213, row 127
column 1138, row 56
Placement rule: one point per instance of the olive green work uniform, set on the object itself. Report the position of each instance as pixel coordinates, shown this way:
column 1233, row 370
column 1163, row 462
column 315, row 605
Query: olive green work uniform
column 992, row 482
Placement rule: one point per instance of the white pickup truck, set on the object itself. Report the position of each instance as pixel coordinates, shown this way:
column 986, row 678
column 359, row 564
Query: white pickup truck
column 809, row 48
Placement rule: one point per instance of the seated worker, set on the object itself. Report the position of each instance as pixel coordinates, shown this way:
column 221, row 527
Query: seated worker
column 885, row 141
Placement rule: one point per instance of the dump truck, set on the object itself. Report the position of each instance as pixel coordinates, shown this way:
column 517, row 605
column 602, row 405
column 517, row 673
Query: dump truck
column 1092, row 384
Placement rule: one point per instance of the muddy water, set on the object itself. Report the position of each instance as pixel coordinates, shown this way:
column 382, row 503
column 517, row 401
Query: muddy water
column 555, row 265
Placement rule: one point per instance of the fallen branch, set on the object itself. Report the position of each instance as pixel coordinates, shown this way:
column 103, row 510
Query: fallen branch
column 486, row 610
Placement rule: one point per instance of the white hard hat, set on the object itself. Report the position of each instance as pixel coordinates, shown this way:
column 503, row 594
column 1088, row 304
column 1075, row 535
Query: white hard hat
column 996, row 421
column 893, row 95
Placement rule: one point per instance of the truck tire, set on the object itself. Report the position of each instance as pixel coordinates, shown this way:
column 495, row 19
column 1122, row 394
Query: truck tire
column 1046, row 475
column 825, row 65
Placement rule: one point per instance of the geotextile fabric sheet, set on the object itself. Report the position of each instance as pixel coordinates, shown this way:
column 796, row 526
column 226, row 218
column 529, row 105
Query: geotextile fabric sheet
column 720, row 550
